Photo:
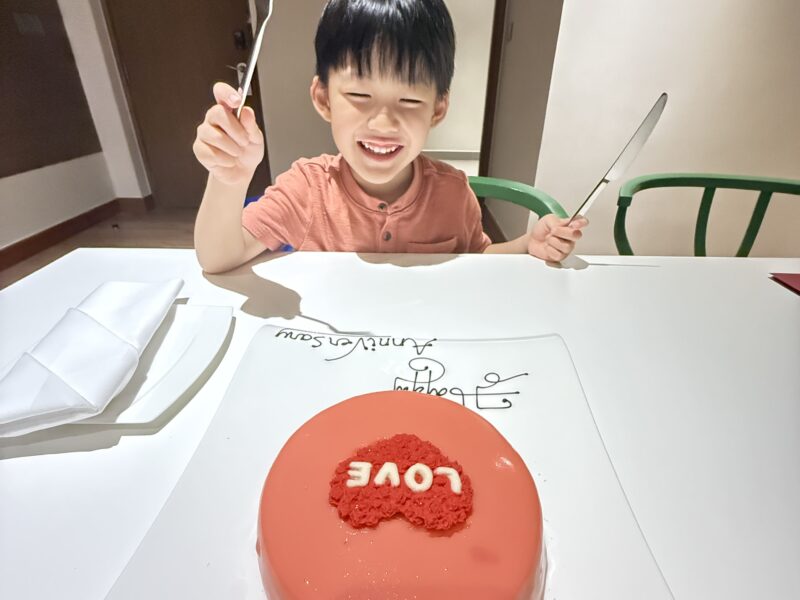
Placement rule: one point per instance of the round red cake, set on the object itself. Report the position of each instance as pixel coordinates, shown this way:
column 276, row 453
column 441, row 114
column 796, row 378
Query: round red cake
column 400, row 495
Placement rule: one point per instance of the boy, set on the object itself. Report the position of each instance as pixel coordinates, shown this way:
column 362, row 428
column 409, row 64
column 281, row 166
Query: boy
column 383, row 74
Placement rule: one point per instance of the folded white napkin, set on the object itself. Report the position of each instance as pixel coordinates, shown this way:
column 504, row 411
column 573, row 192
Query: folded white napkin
column 86, row 359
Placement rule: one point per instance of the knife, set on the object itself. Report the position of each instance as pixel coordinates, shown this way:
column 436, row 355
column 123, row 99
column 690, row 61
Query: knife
column 251, row 63
column 627, row 155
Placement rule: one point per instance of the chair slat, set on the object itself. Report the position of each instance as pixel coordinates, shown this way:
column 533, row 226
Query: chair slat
column 701, row 228
column 755, row 223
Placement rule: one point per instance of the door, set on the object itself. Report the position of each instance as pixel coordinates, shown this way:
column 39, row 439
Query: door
column 170, row 53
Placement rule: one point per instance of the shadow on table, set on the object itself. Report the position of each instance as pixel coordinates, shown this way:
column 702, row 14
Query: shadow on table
column 406, row 260
column 572, row 262
column 267, row 299
column 88, row 437
column 576, row 263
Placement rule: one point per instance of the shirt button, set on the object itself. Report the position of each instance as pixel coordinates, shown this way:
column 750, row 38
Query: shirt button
column 387, row 236
column 382, row 206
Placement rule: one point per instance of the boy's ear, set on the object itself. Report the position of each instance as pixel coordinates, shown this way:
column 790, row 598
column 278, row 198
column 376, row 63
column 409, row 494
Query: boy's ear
column 320, row 98
column 440, row 109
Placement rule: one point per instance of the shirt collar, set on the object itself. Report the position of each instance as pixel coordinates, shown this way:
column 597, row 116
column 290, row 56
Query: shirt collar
column 360, row 197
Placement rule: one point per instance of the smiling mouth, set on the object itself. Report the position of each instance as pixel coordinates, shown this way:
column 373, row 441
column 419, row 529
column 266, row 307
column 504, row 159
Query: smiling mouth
column 380, row 150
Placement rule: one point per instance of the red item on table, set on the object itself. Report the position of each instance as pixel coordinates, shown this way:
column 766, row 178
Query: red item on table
column 789, row 280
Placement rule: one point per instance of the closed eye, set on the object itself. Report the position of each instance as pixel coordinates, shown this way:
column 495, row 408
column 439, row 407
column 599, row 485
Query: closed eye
column 358, row 95
column 410, row 101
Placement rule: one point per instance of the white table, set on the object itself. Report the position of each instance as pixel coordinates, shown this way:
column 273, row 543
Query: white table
column 691, row 367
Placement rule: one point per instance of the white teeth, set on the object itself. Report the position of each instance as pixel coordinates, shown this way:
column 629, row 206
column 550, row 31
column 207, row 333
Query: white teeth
column 379, row 150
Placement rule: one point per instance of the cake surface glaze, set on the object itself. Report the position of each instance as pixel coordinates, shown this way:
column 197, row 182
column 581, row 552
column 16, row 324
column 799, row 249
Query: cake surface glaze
column 307, row 550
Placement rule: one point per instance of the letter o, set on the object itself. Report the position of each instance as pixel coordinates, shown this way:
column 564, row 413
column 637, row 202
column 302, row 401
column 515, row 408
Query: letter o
column 410, row 477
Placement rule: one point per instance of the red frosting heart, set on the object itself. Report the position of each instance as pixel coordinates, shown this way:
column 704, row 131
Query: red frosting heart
column 437, row 508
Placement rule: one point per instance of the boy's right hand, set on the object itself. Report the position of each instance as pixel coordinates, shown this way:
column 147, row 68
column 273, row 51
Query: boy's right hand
column 230, row 149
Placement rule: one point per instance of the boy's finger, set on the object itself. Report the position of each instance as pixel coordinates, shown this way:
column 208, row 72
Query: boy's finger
column 226, row 95
column 560, row 245
column 211, row 158
column 579, row 223
column 549, row 223
column 216, row 138
column 227, row 122
column 554, row 255
column 248, row 121
column 567, row 233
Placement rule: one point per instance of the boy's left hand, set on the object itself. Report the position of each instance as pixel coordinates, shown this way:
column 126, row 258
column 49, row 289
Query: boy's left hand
column 551, row 239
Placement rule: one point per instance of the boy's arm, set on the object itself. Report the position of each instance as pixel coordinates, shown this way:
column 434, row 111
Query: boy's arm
column 551, row 239
column 516, row 246
column 230, row 150
column 220, row 241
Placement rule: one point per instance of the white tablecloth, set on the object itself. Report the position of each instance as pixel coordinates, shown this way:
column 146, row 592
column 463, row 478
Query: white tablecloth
column 690, row 366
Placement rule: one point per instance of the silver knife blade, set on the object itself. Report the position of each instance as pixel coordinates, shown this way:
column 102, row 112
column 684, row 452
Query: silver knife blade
column 251, row 63
column 627, row 155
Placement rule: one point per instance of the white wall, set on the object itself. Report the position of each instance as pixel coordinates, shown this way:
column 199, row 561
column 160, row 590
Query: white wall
column 36, row 200
column 731, row 69
column 461, row 130
column 102, row 84
column 286, row 67
column 33, row 201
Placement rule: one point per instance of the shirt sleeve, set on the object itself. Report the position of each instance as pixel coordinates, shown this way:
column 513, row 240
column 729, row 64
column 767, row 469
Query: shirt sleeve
column 282, row 216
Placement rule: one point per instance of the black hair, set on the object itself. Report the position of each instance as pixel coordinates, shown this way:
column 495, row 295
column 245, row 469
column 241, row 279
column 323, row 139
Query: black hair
column 411, row 39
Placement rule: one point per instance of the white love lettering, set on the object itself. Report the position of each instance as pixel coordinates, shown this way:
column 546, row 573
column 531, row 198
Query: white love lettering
column 388, row 471
column 359, row 474
column 424, row 471
column 452, row 475
column 418, row 477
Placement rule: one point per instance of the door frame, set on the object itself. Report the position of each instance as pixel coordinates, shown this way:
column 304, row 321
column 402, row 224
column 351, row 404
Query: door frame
column 492, row 83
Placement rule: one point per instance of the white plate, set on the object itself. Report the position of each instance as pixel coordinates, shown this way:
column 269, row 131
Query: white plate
column 202, row 545
column 180, row 350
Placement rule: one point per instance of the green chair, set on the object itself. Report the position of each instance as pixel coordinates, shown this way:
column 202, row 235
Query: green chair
column 711, row 183
column 518, row 193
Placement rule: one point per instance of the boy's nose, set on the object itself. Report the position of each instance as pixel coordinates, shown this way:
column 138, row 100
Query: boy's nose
column 383, row 121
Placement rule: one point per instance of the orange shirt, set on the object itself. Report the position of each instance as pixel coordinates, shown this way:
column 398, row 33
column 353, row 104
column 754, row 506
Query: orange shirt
column 317, row 205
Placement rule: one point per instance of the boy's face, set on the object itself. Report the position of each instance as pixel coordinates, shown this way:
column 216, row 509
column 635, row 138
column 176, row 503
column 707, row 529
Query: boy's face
column 379, row 124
